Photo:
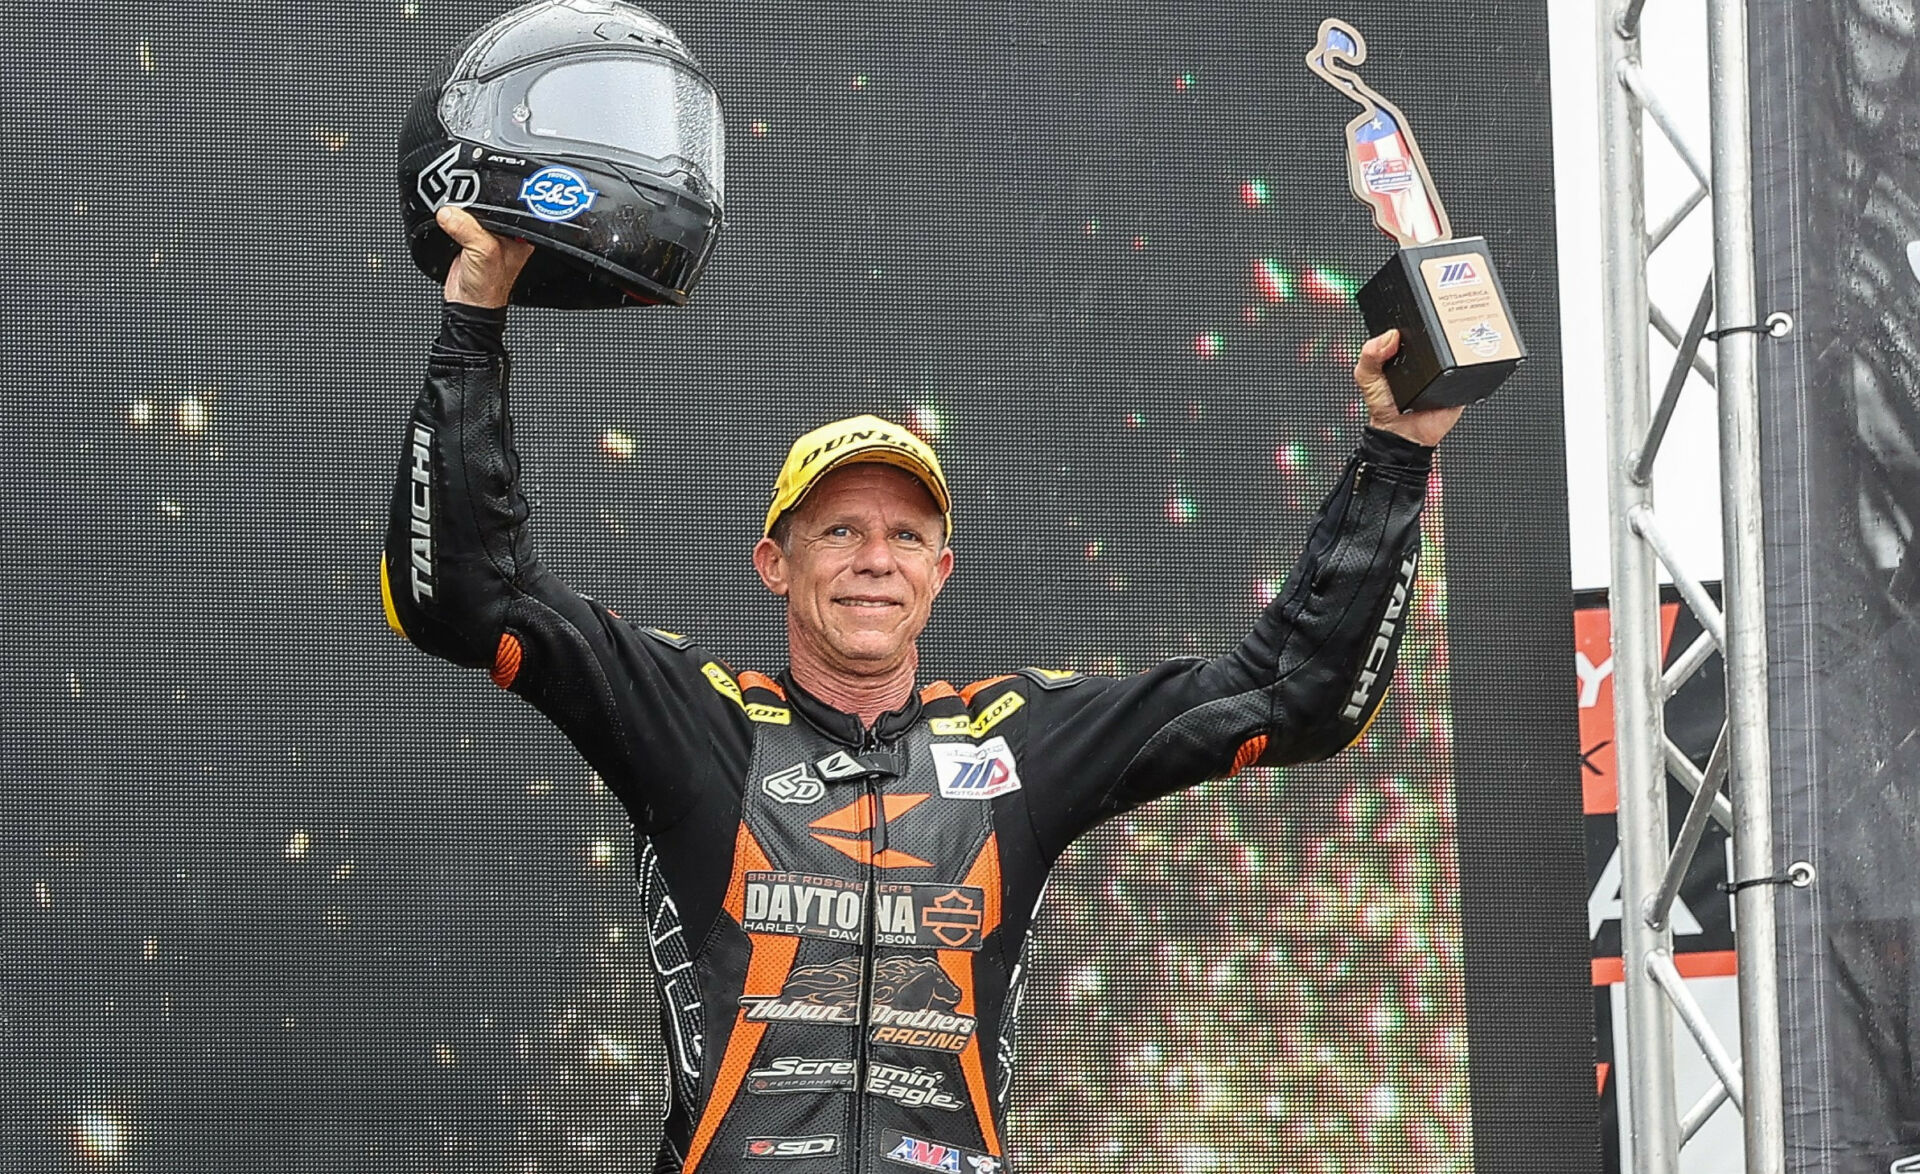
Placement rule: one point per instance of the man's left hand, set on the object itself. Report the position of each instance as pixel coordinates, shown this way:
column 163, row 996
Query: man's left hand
column 1426, row 427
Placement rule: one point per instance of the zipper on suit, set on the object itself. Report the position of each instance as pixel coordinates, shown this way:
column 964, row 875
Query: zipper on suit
column 876, row 843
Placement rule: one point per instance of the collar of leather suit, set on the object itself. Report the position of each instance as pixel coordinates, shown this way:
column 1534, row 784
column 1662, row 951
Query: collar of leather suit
column 846, row 727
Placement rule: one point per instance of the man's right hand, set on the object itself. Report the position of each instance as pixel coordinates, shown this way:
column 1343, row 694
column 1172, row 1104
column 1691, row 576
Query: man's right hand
column 484, row 272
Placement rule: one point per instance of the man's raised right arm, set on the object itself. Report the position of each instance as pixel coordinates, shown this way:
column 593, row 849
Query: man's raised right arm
column 457, row 550
column 459, row 578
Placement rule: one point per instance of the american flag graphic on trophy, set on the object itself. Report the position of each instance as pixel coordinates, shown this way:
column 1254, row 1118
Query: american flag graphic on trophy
column 1383, row 162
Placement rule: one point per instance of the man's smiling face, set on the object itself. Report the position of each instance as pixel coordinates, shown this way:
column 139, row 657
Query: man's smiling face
column 864, row 557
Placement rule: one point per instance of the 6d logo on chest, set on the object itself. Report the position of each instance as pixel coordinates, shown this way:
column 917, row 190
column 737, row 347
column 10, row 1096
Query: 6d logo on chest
column 915, row 916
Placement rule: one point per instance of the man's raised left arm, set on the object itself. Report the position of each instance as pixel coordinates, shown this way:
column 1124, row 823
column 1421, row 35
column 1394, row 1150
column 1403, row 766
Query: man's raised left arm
column 1303, row 684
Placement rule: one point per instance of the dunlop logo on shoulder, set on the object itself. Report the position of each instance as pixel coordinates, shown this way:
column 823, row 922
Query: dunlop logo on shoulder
column 723, row 681
column 977, row 727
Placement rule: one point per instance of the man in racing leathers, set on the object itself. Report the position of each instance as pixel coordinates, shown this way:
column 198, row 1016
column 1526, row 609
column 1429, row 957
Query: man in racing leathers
column 844, row 861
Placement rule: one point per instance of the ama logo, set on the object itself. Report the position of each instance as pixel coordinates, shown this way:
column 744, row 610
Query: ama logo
column 1457, row 273
column 556, row 194
column 935, row 1155
column 968, row 771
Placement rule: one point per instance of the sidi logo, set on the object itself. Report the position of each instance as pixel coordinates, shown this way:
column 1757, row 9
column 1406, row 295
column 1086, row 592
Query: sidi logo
column 792, row 1147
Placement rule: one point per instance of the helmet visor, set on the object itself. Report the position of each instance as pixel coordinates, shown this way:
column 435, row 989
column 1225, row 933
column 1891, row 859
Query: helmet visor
column 640, row 106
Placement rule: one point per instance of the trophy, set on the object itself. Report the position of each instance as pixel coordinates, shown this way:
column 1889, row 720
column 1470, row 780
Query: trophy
column 1457, row 341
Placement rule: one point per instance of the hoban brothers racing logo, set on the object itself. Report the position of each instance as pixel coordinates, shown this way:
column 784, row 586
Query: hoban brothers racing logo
column 906, row 914
column 912, row 1007
column 1376, row 661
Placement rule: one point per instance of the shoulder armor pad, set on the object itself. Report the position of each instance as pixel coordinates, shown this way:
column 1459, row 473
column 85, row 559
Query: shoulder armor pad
column 670, row 639
column 1053, row 678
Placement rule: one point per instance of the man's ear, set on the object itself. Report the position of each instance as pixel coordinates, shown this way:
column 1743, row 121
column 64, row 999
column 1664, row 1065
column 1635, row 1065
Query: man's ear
column 771, row 562
column 942, row 569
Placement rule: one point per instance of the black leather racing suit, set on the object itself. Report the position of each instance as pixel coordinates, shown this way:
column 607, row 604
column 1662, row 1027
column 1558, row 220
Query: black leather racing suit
column 838, row 913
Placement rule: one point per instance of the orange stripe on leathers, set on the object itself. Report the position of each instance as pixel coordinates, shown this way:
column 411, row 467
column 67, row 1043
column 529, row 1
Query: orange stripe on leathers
column 862, row 852
column 936, row 691
column 506, row 660
column 985, row 875
column 1248, row 754
column 967, row 694
column 753, row 680
column 857, row 816
column 767, row 970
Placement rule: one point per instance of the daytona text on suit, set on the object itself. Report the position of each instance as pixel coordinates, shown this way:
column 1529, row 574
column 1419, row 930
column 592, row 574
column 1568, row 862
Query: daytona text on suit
column 838, row 913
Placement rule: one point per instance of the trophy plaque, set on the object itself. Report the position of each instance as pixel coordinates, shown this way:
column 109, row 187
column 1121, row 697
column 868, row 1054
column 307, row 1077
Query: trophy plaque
column 1457, row 339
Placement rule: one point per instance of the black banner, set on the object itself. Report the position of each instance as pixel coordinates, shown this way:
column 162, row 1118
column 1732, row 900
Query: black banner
column 1836, row 130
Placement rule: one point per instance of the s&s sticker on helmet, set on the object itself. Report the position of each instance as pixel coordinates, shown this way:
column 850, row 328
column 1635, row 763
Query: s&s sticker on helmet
column 556, row 194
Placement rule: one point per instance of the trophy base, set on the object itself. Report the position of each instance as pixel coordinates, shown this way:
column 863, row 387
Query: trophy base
column 1457, row 340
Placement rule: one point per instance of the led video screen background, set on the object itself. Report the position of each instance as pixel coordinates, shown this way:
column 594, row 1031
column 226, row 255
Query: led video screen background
column 280, row 890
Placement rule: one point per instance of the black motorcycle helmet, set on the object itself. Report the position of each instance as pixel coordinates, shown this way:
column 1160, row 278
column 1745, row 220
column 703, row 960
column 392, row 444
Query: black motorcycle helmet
column 585, row 127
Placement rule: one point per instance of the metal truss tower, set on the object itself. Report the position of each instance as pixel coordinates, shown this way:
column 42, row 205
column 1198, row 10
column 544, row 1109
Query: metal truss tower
column 1735, row 786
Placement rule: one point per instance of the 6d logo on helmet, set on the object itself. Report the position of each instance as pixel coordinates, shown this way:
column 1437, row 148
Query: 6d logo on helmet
column 440, row 183
column 556, row 194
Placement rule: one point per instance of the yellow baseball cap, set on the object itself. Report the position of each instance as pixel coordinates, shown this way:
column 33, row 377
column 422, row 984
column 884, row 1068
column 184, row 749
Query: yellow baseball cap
column 851, row 441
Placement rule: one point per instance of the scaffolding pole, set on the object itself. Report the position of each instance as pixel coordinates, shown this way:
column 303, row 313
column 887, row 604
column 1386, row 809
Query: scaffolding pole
column 1743, row 590
column 1650, row 862
column 1633, row 601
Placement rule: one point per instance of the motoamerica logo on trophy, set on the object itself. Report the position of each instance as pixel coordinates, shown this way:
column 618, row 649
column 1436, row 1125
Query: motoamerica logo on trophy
column 1457, row 340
